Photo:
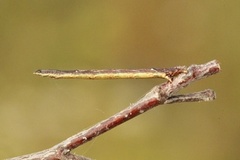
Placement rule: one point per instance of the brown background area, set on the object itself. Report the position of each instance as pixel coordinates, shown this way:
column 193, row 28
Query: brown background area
column 36, row 113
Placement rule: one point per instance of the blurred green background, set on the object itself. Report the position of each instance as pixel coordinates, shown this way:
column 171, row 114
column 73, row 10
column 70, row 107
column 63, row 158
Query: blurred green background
column 37, row 113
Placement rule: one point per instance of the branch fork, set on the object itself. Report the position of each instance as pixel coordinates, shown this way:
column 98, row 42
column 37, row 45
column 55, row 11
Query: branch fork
column 164, row 93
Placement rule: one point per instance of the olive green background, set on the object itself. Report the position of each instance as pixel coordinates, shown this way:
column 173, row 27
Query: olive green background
column 37, row 113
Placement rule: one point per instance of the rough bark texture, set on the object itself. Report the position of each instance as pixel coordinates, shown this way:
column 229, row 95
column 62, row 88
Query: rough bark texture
column 161, row 94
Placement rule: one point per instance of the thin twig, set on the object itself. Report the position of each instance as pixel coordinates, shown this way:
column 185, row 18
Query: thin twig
column 206, row 95
column 161, row 94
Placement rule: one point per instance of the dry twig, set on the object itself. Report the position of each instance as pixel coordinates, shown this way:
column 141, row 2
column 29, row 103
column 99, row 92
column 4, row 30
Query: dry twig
column 161, row 94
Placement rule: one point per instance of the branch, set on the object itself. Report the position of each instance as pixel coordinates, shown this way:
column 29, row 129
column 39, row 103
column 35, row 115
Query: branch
column 206, row 95
column 164, row 93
